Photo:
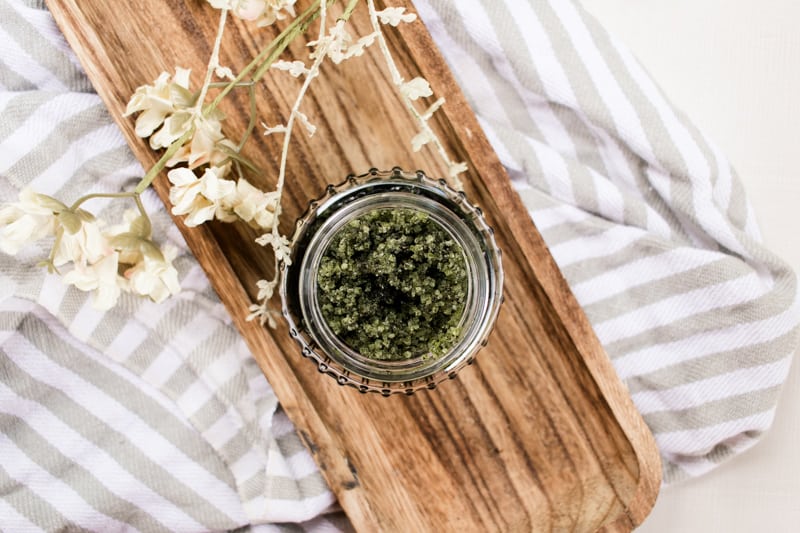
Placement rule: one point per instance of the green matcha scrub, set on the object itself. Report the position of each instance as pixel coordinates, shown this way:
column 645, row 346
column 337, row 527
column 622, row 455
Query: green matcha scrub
column 392, row 285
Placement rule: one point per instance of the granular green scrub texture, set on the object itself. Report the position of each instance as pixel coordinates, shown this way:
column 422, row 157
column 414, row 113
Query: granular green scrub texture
column 392, row 285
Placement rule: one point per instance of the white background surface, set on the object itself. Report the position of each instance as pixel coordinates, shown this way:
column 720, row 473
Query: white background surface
column 733, row 66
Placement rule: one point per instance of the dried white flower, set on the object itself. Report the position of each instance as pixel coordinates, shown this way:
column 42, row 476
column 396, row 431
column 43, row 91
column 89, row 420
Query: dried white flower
column 280, row 244
column 156, row 102
column 421, row 139
column 456, row 168
column 295, row 68
column 358, row 47
column 264, row 12
column 154, row 275
column 416, row 88
column 29, row 219
column 261, row 311
column 224, row 72
column 81, row 240
column 395, row 15
column 269, row 130
column 264, row 314
column 206, row 145
column 100, row 277
column 338, row 44
column 334, row 44
column 303, row 119
column 432, row 109
column 200, row 199
column 254, row 206
column 265, row 289
column 453, row 171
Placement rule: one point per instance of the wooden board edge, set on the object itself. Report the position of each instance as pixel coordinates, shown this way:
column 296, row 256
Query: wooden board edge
column 487, row 165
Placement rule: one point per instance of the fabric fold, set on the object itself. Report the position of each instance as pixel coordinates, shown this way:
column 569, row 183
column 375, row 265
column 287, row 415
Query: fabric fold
column 644, row 215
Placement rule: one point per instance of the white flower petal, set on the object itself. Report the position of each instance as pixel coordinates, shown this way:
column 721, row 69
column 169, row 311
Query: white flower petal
column 147, row 122
column 106, row 297
column 83, row 278
column 85, row 246
column 215, row 188
column 416, row 88
column 24, row 230
column 303, row 119
column 181, row 177
column 155, row 278
column 100, row 277
column 294, row 68
column 421, row 139
column 186, row 199
column 182, row 76
column 224, row 73
column 199, row 215
column 395, row 15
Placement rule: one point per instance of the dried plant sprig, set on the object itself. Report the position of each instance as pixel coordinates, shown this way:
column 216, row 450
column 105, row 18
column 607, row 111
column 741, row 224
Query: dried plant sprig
column 213, row 61
column 413, row 90
column 124, row 258
column 263, row 12
column 106, row 261
column 257, row 67
column 331, row 43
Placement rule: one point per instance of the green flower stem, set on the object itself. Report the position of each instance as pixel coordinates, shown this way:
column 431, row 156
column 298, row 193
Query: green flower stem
column 50, row 263
column 251, row 93
column 262, row 61
column 349, row 9
column 223, row 84
column 161, row 163
column 88, row 197
column 290, row 123
column 148, row 229
column 136, row 198
column 213, row 61
column 271, row 51
column 290, row 36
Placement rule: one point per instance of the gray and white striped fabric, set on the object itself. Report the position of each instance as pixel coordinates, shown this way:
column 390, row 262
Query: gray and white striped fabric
column 643, row 214
column 155, row 417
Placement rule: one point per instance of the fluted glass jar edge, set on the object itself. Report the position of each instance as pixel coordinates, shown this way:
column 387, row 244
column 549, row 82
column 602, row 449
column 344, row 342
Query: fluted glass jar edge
column 309, row 346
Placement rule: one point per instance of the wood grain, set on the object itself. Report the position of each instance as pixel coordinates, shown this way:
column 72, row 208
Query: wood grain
column 539, row 434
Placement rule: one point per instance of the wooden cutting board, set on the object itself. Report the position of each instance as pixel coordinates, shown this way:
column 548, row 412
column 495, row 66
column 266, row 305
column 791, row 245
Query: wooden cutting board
column 539, row 434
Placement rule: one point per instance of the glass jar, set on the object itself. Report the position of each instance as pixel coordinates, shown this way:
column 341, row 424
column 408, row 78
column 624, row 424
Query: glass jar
column 350, row 199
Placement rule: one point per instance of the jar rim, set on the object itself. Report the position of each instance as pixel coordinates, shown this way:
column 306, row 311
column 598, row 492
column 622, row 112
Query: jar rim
column 388, row 370
column 352, row 198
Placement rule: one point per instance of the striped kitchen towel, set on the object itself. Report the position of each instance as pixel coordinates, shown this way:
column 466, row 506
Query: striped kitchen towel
column 155, row 417
column 643, row 214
